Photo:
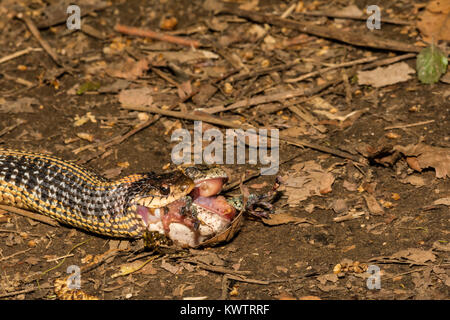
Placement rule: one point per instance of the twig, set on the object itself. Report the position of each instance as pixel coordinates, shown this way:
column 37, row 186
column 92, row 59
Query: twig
column 353, row 17
column 15, row 254
column 156, row 35
column 248, row 280
column 256, row 100
column 350, row 216
column 400, row 126
column 30, row 215
column 340, row 65
column 357, row 38
column 338, row 153
column 262, row 71
column 59, row 258
column 181, row 115
column 18, row 54
column 35, row 32
column 388, row 61
column 216, row 269
column 15, row 293
column 10, row 128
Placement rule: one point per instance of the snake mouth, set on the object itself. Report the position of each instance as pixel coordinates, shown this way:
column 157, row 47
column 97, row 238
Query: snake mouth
column 194, row 218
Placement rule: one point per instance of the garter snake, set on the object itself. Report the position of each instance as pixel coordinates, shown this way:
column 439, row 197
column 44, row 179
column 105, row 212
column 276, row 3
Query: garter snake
column 76, row 196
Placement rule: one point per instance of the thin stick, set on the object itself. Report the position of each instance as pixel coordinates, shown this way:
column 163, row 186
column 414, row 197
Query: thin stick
column 30, row 215
column 262, row 71
column 10, row 128
column 357, row 38
column 15, row 293
column 353, row 17
column 257, row 100
column 389, row 61
column 248, row 280
column 156, row 35
column 181, row 115
column 18, row 54
column 15, row 254
column 246, row 103
column 44, row 44
column 400, row 126
column 338, row 66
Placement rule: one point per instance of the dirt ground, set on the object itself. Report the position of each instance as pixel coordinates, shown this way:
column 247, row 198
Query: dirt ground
column 355, row 204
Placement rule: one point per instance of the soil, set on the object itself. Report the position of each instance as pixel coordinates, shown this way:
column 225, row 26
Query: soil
column 407, row 242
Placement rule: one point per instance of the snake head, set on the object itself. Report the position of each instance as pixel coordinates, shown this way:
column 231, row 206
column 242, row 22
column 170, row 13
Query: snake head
column 159, row 190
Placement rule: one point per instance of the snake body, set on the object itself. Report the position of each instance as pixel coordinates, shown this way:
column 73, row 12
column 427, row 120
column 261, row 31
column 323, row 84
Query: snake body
column 76, row 196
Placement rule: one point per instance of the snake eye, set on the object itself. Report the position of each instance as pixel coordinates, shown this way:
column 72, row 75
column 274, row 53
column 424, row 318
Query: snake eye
column 165, row 189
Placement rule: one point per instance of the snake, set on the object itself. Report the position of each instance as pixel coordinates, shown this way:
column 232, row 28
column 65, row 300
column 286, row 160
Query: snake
column 178, row 204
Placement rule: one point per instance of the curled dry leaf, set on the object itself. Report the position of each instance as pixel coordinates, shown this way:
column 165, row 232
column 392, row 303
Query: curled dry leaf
column 422, row 156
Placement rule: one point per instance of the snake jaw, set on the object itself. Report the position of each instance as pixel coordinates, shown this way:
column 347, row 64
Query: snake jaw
column 191, row 219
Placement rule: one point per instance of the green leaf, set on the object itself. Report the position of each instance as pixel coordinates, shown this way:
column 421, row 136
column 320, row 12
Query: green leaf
column 88, row 86
column 431, row 64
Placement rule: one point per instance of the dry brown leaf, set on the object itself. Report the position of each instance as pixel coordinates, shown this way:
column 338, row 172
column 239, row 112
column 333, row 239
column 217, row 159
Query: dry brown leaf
column 373, row 205
column 136, row 97
column 148, row 270
column 443, row 201
column 351, row 10
column 129, row 69
column 437, row 245
column 414, row 180
column 283, row 218
column 114, row 87
column 309, row 179
column 205, row 93
column 416, row 255
column 327, row 277
column 171, row 268
column 434, row 22
column 427, row 156
column 296, row 131
column 350, row 186
column 384, row 76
